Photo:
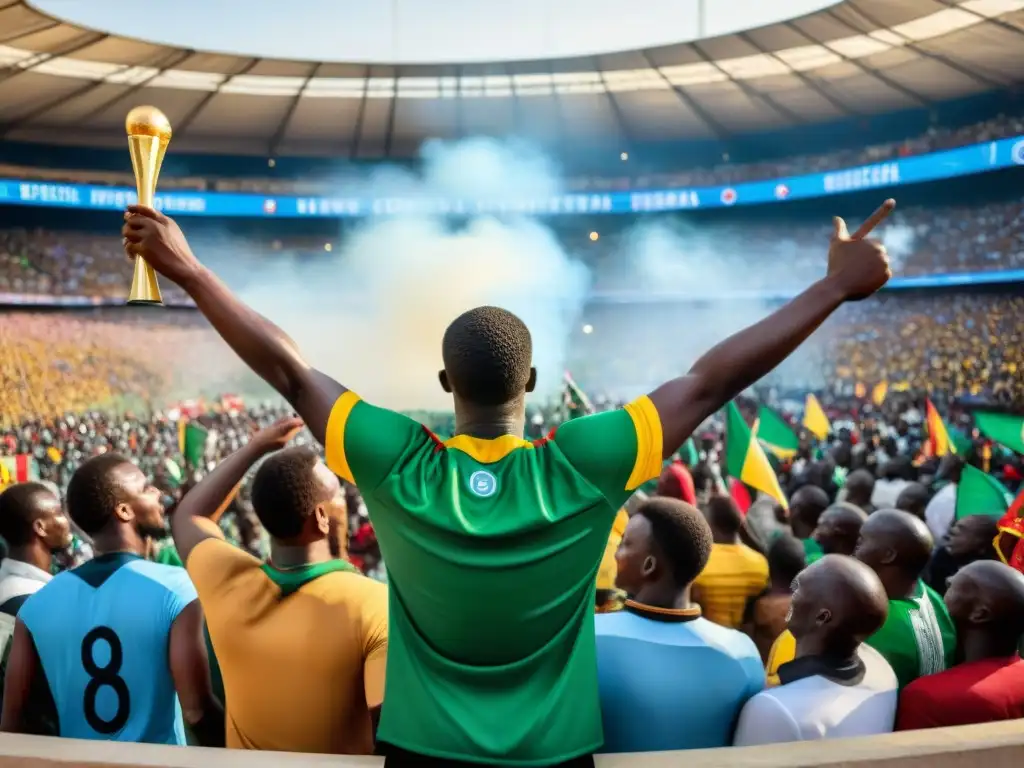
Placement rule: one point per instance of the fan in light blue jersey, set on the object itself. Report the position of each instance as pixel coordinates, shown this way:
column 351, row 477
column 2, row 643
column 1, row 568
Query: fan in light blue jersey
column 669, row 679
column 112, row 636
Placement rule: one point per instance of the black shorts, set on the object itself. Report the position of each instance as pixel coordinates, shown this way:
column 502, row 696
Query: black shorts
column 395, row 757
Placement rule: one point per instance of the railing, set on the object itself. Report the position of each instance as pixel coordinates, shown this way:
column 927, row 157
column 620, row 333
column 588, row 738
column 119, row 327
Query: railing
column 996, row 745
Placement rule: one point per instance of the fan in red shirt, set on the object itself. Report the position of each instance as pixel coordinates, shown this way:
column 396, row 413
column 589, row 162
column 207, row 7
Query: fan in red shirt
column 986, row 601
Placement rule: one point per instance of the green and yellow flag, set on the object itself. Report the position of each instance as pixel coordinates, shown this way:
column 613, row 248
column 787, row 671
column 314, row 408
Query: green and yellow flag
column 1003, row 428
column 745, row 460
column 775, row 434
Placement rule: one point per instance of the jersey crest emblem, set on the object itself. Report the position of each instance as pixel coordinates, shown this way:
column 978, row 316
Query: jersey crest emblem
column 483, row 483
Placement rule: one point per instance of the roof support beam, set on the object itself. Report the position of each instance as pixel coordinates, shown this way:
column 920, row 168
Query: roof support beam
column 713, row 126
column 460, row 105
column 990, row 19
column 752, row 94
column 282, row 127
column 840, row 107
column 625, row 134
column 870, row 71
column 179, row 56
column 25, row 33
column 389, row 126
column 971, row 74
column 184, row 124
column 561, row 140
column 78, row 44
column 357, row 129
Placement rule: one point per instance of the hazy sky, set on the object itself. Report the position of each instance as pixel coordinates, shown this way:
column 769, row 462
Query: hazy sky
column 424, row 31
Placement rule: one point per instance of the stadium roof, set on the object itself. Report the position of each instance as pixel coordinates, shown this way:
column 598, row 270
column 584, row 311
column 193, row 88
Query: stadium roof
column 63, row 83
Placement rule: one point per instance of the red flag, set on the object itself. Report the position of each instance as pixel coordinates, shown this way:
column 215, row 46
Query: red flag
column 1009, row 542
column 740, row 495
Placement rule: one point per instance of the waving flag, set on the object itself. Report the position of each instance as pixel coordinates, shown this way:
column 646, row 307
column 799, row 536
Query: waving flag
column 1004, row 428
column 980, row 494
column 745, row 460
column 775, row 434
column 18, row 469
column 939, row 443
column 815, row 420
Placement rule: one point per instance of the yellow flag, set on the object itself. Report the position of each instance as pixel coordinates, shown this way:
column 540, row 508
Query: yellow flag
column 878, row 393
column 815, row 419
column 54, row 454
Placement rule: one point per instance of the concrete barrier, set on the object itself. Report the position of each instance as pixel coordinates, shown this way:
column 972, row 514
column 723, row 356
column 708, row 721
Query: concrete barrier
column 999, row 745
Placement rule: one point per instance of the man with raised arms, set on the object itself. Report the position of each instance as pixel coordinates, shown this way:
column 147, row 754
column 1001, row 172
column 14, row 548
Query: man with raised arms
column 478, row 672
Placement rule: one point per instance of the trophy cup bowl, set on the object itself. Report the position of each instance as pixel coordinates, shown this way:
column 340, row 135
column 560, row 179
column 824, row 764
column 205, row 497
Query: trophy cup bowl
column 149, row 133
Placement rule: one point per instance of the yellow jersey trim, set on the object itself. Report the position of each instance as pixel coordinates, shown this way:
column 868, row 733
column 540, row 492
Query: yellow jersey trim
column 334, row 450
column 649, row 442
column 487, row 451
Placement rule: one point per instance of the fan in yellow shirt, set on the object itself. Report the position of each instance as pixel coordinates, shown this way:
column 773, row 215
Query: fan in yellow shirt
column 302, row 642
column 734, row 573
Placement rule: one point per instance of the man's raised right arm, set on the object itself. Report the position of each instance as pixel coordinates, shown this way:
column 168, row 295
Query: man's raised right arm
column 261, row 345
column 857, row 267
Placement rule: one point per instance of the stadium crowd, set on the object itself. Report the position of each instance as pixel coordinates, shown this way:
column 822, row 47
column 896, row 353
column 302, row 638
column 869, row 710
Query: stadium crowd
column 850, row 585
column 936, row 138
column 758, row 256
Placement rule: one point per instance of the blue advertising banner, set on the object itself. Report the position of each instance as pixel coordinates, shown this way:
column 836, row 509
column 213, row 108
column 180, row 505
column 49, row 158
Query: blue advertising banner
column 976, row 158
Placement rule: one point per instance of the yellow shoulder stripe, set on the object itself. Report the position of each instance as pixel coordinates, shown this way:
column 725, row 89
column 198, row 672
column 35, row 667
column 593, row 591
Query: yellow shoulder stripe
column 335, row 437
column 649, row 442
column 487, row 451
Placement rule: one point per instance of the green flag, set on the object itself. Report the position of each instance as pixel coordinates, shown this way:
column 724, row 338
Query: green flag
column 574, row 400
column 774, row 433
column 979, row 493
column 193, row 439
column 1003, row 428
column 689, row 454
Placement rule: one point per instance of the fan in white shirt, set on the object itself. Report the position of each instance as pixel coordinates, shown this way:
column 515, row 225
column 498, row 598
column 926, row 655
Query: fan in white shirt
column 34, row 527
column 836, row 686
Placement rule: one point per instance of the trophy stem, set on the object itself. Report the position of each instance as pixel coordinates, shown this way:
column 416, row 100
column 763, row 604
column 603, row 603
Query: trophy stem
column 147, row 156
column 145, row 288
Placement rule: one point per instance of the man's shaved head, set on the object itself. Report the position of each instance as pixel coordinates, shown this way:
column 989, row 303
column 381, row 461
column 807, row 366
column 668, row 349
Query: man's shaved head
column 839, row 527
column 805, row 507
column 894, row 542
column 987, row 595
column 839, row 601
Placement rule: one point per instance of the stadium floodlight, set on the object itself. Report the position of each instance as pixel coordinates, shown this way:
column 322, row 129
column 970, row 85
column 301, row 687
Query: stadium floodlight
column 149, row 133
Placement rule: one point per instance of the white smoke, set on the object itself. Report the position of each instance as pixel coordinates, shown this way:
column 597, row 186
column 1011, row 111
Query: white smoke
column 372, row 314
column 696, row 285
column 899, row 240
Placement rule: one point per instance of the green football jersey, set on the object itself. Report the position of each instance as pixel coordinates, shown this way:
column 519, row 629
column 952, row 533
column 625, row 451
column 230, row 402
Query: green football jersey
column 492, row 549
column 918, row 637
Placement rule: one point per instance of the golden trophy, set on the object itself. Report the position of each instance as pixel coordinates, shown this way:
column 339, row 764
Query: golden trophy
column 149, row 133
